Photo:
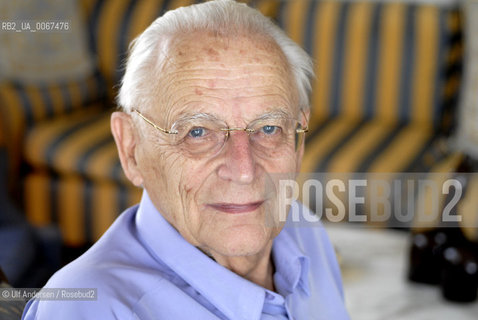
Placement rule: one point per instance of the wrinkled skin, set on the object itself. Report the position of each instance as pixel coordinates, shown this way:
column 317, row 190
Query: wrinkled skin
column 219, row 204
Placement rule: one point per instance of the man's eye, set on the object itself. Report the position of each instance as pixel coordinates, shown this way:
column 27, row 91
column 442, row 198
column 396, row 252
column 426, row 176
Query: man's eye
column 270, row 130
column 197, row 132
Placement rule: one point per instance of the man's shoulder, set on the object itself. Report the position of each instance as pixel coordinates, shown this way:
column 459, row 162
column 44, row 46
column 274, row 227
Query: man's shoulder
column 118, row 268
column 118, row 256
column 116, row 292
column 115, row 247
column 120, row 292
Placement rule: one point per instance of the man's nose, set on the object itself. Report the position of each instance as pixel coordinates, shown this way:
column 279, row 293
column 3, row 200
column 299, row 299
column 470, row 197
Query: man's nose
column 239, row 164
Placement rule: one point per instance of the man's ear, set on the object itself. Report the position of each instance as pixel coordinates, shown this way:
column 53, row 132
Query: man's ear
column 126, row 142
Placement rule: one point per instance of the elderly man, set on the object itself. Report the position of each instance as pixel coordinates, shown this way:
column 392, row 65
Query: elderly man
column 213, row 104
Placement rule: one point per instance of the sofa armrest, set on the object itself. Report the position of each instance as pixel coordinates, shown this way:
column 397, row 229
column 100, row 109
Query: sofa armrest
column 23, row 106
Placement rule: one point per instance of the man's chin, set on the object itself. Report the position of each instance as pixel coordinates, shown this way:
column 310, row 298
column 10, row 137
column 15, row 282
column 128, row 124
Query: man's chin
column 243, row 240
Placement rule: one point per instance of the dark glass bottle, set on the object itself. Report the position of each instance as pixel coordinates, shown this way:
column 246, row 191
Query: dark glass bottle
column 459, row 278
column 425, row 256
column 459, row 257
column 445, row 256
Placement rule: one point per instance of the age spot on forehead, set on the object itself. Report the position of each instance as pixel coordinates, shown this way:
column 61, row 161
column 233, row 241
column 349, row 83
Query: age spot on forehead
column 211, row 83
column 212, row 54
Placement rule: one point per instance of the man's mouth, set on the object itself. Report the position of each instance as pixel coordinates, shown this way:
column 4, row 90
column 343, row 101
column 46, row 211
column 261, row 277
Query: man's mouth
column 235, row 207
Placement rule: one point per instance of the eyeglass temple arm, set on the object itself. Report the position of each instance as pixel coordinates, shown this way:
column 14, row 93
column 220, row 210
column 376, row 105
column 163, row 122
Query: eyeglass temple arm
column 154, row 125
column 306, row 128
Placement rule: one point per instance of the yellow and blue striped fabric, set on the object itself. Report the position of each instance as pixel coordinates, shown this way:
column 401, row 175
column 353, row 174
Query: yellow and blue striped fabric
column 387, row 74
column 391, row 61
column 22, row 106
column 80, row 144
column 82, row 208
column 387, row 83
column 78, row 183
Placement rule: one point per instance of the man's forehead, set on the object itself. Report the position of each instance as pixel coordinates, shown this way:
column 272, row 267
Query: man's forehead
column 202, row 61
column 202, row 46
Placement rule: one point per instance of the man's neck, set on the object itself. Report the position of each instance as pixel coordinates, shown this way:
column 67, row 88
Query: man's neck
column 258, row 268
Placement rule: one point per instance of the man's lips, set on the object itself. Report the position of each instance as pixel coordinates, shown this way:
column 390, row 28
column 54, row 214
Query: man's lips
column 235, row 207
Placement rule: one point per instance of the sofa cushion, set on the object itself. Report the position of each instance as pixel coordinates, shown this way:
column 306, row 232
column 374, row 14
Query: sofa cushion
column 342, row 144
column 79, row 144
column 342, row 148
column 81, row 208
column 374, row 151
column 395, row 61
column 22, row 106
column 76, row 181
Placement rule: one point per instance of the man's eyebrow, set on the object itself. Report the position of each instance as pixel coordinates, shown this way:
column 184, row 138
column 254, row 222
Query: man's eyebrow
column 196, row 116
column 275, row 114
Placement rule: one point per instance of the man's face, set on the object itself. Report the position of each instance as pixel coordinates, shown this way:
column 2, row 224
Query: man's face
column 219, row 203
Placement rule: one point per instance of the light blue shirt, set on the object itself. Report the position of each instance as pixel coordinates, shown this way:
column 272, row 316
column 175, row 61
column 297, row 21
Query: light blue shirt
column 144, row 269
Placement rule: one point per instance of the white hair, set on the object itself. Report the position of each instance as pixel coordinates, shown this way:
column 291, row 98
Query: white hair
column 223, row 17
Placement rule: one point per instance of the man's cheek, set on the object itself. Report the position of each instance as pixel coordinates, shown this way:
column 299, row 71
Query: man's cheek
column 169, row 169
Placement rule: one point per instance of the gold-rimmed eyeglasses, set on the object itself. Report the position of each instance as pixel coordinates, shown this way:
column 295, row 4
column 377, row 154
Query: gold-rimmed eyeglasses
column 205, row 135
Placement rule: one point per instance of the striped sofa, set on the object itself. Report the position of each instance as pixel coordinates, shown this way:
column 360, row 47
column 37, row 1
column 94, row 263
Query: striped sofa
column 388, row 77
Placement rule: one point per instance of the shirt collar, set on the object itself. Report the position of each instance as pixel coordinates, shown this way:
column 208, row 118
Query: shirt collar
column 291, row 263
column 227, row 291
